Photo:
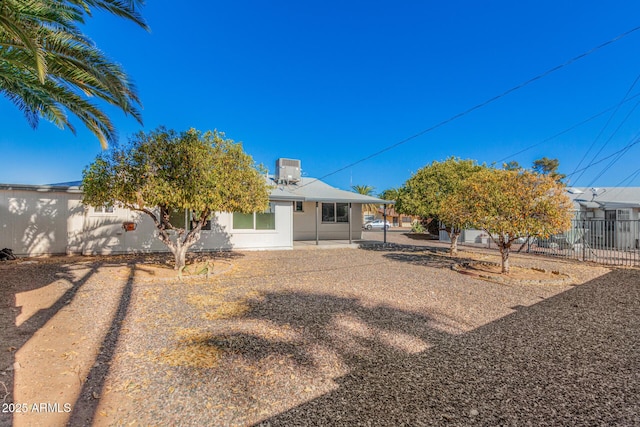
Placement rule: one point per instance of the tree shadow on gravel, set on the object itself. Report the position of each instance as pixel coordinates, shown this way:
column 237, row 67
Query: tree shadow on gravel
column 18, row 278
column 87, row 402
column 395, row 247
column 572, row 359
column 427, row 259
column 355, row 332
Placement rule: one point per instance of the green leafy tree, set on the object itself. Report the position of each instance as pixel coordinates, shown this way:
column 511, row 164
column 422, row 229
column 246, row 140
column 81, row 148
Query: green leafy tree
column 512, row 166
column 163, row 172
column 49, row 68
column 509, row 205
column 546, row 166
column 425, row 194
column 366, row 190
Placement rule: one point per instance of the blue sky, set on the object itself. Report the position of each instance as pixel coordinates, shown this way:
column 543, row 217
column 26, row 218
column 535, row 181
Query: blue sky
column 332, row 82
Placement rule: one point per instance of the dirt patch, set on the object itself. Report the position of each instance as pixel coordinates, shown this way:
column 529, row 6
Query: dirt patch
column 493, row 272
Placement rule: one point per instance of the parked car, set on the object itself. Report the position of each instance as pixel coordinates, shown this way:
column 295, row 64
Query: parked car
column 378, row 223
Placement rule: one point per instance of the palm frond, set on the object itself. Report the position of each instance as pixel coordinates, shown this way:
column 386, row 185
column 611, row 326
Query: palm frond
column 48, row 67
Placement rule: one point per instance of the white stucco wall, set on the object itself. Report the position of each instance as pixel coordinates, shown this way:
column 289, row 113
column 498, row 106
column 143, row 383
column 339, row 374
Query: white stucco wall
column 40, row 222
column 56, row 222
column 104, row 233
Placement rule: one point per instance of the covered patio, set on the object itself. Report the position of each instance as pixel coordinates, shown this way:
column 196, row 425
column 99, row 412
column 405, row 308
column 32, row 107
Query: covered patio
column 323, row 215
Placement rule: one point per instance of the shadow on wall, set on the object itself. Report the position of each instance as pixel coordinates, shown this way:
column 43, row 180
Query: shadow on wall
column 571, row 359
column 37, row 225
column 215, row 239
column 106, row 235
column 34, row 224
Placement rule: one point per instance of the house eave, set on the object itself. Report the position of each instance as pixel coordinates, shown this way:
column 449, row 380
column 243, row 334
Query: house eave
column 42, row 188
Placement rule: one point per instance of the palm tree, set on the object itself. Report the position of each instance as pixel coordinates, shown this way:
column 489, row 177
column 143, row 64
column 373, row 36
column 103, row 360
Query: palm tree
column 367, row 190
column 49, row 68
column 390, row 194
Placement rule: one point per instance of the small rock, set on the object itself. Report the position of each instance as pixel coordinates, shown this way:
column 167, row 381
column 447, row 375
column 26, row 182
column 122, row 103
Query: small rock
column 473, row 413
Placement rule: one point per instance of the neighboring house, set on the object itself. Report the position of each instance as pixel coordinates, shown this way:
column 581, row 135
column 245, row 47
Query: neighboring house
column 608, row 216
column 612, row 203
column 368, row 216
column 51, row 219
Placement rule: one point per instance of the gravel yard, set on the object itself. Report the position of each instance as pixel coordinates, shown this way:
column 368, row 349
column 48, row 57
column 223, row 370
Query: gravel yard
column 380, row 336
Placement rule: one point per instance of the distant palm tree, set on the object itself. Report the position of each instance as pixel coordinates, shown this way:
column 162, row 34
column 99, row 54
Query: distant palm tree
column 48, row 67
column 366, row 190
column 390, row 194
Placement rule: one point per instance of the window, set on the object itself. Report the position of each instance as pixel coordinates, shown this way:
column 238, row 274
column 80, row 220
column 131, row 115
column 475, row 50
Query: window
column 624, row 217
column 368, row 218
column 297, row 206
column 342, row 212
column 328, row 212
column 406, row 219
column 242, row 221
column 195, row 217
column 335, row 212
column 256, row 221
column 103, row 209
column 177, row 218
column 182, row 218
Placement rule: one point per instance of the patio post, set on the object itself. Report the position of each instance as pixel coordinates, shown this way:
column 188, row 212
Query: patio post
column 384, row 223
column 349, row 222
column 317, row 239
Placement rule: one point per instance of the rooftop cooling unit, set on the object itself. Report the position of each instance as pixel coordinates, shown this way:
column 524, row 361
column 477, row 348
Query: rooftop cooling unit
column 287, row 171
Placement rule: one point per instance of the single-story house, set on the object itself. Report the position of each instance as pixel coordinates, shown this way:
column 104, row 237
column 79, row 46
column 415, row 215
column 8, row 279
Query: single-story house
column 51, row 219
column 612, row 203
column 608, row 216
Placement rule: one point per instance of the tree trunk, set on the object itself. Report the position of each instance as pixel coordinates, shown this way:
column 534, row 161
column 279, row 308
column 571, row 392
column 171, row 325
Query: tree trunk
column 504, row 252
column 453, row 248
column 180, row 255
column 181, row 246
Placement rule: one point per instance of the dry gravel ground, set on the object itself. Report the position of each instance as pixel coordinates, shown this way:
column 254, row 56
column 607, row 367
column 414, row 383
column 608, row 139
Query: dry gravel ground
column 379, row 336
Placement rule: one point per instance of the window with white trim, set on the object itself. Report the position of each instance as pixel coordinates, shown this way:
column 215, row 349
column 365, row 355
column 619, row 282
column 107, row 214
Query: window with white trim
column 256, row 221
column 298, row 206
column 104, row 209
column 185, row 219
column 335, row 212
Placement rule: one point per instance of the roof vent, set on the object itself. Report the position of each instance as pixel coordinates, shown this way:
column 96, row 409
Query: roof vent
column 287, row 171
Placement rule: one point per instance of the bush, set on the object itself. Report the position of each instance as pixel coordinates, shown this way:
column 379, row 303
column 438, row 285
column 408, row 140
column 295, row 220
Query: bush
column 417, row 227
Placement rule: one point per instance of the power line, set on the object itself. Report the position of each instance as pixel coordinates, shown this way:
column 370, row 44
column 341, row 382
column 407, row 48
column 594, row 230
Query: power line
column 478, row 106
column 606, row 168
column 618, row 187
column 606, row 125
column 569, row 129
column 622, row 150
column 629, row 178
